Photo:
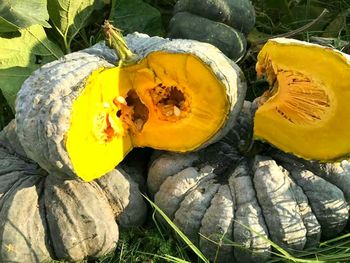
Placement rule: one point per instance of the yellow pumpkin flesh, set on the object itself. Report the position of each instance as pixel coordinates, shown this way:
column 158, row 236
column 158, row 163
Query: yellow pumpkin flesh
column 159, row 102
column 305, row 110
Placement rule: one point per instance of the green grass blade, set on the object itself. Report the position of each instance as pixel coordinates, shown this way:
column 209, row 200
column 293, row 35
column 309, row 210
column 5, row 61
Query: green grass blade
column 178, row 231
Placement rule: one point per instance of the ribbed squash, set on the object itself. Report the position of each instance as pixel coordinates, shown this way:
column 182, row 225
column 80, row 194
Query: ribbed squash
column 45, row 217
column 233, row 192
column 305, row 112
column 85, row 114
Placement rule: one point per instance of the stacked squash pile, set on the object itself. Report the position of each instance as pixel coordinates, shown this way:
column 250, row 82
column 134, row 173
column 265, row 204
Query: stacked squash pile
column 78, row 117
column 234, row 192
column 230, row 199
column 46, row 211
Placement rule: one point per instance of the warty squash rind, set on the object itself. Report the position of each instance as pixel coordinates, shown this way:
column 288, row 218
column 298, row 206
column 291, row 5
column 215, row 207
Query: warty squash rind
column 129, row 210
column 44, row 217
column 43, row 113
column 305, row 111
column 54, row 105
column 288, row 200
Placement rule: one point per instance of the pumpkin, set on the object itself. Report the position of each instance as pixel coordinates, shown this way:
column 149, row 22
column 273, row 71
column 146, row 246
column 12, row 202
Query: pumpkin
column 45, row 217
column 231, row 191
column 85, row 114
column 222, row 23
column 308, row 98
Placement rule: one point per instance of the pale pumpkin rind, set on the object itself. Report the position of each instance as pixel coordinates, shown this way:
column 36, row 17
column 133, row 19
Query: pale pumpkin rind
column 43, row 109
column 45, row 112
column 270, row 195
column 44, row 217
column 305, row 110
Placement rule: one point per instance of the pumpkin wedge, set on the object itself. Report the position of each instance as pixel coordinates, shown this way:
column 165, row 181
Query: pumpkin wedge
column 305, row 111
column 88, row 110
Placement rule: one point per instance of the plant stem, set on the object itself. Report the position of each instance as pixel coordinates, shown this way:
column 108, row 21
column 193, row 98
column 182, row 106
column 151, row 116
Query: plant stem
column 296, row 31
column 66, row 45
column 115, row 40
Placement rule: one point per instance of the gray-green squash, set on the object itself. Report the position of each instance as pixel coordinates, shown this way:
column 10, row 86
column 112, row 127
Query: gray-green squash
column 222, row 23
column 45, row 217
column 233, row 191
column 84, row 113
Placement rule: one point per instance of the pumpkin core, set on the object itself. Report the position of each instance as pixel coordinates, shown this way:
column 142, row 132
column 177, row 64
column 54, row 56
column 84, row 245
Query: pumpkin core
column 304, row 111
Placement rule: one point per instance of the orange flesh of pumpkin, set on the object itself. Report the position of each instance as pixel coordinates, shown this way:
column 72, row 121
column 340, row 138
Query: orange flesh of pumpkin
column 166, row 101
column 305, row 112
column 187, row 104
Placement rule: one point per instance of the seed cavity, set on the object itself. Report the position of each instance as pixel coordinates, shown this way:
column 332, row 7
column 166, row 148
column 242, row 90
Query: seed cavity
column 171, row 103
column 300, row 99
column 132, row 112
column 105, row 127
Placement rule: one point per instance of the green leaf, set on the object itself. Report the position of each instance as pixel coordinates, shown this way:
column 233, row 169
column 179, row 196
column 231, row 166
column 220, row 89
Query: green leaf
column 11, row 80
column 136, row 15
column 70, row 16
column 16, row 14
column 20, row 55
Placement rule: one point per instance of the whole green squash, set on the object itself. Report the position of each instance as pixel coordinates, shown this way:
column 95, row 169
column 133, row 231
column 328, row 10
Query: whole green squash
column 222, row 23
column 45, row 217
column 228, row 193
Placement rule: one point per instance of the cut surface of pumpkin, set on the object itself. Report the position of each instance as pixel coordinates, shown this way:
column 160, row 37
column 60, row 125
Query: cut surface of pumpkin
column 186, row 102
column 305, row 111
column 98, row 138
column 88, row 110
column 147, row 104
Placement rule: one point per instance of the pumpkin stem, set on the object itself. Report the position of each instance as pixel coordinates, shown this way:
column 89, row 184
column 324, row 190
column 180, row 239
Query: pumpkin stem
column 115, row 40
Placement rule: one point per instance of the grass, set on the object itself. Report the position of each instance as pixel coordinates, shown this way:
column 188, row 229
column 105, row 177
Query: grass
column 156, row 243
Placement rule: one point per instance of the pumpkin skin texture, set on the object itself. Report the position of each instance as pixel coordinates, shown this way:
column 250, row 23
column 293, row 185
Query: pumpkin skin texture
column 221, row 190
column 306, row 100
column 222, row 23
column 45, row 217
column 85, row 114
column 43, row 114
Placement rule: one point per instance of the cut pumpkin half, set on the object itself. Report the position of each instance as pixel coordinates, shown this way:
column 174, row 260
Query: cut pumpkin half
column 306, row 109
column 169, row 98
